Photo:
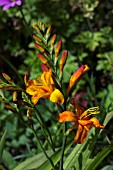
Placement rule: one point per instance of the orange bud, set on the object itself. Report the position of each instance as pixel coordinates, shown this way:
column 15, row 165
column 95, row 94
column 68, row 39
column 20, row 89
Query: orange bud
column 26, row 79
column 43, row 26
column 29, row 113
column 77, row 76
column 14, row 95
column 11, row 88
column 42, row 58
column 58, row 47
column 48, row 32
column 7, row 78
column 53, row 40
column 36, row 27
column 37, row 38
column 1, row 86
column 63, row 60
column 40, row 48
column 7, row 106
column 44, row 67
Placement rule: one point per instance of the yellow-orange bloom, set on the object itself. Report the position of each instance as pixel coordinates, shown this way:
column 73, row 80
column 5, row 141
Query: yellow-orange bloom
column 43, row 87
column 81, row 120
column 77, row 76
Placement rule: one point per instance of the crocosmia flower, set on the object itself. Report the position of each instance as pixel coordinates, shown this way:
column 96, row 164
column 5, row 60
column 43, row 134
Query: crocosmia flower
column 44, row 87
column 81, row 119
column 9, row 3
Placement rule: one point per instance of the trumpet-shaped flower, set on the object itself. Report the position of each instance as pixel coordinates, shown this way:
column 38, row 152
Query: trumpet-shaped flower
column 9, row 3
column 81, row 120
column 43, row 87
column 77, row 76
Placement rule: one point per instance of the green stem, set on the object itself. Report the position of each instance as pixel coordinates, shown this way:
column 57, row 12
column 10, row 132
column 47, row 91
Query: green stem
column 48, row 158
column 63, row 147
column 25, row 22
column 12, row 67
column 64, row 141
column 45, row 127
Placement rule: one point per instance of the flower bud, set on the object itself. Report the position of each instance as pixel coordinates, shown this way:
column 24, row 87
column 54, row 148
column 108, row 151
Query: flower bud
column 26, row 80
column 44, row 67
column 36, row 27
column 40, row 48
column 37, row 38
column 29, row 113
column 7, row 78
column 48, row 32
column 14, row 95
column 77, row 76
column 7, row 106
column 53, row 40
column 42, row 58
column 63, row 60
column 58, row 47
column 43, row 27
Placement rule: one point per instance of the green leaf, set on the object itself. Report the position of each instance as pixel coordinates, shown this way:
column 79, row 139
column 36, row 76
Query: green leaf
column 78, row 156
column 108, row 117
column 39, row 161
column 8, row 160
column 33, row 162
column 100, row 156
column 110, row 167
column 2, row 141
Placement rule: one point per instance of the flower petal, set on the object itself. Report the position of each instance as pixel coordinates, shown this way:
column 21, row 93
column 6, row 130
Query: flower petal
column 6, row 7
column 79, row 110
column 57, row 97
column 3, row 2
column 68, row 116
column 19, row 2
column 96, row 123
column 81, row 134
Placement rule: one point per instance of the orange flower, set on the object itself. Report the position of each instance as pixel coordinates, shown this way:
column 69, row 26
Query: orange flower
column 77, row 76
column 81, row 120
column 43, row 87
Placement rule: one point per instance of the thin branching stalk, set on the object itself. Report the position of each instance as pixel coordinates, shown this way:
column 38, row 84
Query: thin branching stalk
column 64, row 142
column 45, row 127
column 63, row 147
column 25, row 22
column 48, row 158
column 12, row 67
column 44, row 131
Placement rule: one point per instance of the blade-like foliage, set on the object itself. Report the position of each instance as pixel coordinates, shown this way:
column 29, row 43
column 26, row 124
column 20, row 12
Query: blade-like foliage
column 2, row 141
column 98, row 159
column 39, row 161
